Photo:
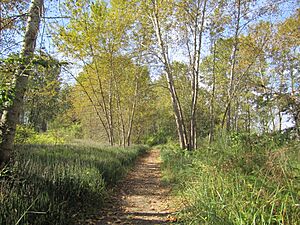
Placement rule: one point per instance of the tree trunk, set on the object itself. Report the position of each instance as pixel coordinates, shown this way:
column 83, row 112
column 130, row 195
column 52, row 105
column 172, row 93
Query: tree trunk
column 212, row 101
column 44, row 126
column 227, row 113
column 120, row 112
column 249, row 118
column 273, row 116
column 132, row 113
column 297, row 124
column 195, row 79
column 94, row 104
column 103, row 105
column 279, row 121
column 10, row 115
column 110, row 112
column 236, row 116
column 174, row 97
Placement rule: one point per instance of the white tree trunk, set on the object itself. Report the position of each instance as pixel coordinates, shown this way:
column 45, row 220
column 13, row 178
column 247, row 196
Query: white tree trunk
column 233, row 62
column 10, row 115
column 195, row 75
column 181, row 129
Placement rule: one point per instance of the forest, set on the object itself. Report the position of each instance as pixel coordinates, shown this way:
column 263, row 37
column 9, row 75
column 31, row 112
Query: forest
column 193, row 106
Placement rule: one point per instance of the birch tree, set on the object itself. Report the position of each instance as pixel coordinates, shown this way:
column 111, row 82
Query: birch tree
column 184, row 21
column 11, row 113
column 158, row 12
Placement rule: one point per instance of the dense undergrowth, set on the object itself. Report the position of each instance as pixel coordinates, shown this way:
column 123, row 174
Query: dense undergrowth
column 27, row 135
column 48, row 184
column 236, row 180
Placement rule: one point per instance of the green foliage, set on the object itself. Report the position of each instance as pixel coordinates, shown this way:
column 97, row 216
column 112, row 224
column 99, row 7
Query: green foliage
column 71, row 132
column 51, row 137
column 59, row 135
column 6, row 96
column 44, row 95
column 27, row 135
column 6, row 91
column 158, row 138
column 24, row 134
column 232, row 182
column 43, row 99
column 49, row 184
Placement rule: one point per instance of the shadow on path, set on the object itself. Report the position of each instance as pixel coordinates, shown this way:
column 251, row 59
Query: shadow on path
column 138, row 199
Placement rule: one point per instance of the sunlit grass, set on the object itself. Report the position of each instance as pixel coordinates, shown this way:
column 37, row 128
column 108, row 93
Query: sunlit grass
column 224, row 184
column 48, row 184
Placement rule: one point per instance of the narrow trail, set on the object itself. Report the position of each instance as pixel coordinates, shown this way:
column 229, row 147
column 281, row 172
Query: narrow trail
column 140, row 198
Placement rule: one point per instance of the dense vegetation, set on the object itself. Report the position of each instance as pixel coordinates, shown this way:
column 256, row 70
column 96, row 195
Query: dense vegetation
column 218, row 78
column 53, row 184
column 239, row 179
column 135, row 70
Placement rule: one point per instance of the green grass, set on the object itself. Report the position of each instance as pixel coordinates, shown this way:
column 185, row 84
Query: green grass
column 48, row 184
column 232, row 182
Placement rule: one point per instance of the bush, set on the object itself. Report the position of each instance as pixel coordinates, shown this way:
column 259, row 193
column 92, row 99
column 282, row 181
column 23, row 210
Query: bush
column 24, row 134
column 27, row 135
column 157, row 139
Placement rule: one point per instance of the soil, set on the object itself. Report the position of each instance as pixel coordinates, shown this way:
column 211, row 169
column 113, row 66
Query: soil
column 140, row 198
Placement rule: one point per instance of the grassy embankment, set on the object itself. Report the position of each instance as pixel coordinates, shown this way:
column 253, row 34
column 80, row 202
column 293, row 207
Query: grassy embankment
column 50, row 183
column 236, row 181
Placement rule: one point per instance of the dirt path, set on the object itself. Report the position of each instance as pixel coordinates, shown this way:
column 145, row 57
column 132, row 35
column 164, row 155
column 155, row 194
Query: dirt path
column 140, row 198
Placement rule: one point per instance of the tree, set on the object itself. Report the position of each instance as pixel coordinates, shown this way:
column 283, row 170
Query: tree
column 42, row 100
column 168, row 18
column 285, row 59
column 97, row 35
column 127, row 94
column 11, row 113
column 12, row 21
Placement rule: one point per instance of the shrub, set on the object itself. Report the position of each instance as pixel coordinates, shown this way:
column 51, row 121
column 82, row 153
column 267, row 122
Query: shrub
column 27, row 135
column 24, row 134
column 156, row 139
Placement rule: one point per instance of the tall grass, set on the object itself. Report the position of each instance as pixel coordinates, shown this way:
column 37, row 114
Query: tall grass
column 236, row 181
column 48, row 184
